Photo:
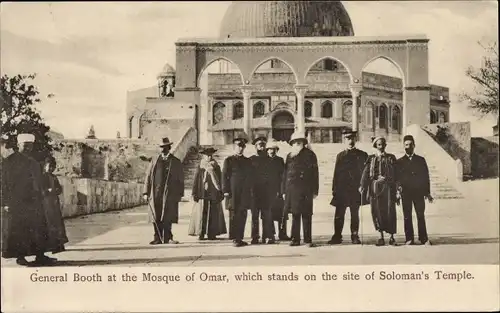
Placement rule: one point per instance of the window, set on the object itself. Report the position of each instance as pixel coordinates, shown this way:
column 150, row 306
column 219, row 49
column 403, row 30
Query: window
column 219, row 112
column 369, row 115
column 327, row 109
column 347, row 111
column 396, row 118
column 330, row 65
column 308, row 106
column 442, row 117
column 258, row 109
column 433, row 117
column 382, row 117
column 238, row 110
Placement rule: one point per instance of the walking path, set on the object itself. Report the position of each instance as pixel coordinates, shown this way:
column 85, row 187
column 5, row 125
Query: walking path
column 464, row 231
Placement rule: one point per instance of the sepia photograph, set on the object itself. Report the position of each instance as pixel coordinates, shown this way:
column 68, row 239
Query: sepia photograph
column 248, row 135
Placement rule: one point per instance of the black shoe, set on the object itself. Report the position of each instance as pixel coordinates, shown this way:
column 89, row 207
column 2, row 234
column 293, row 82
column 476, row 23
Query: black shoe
column 22, row 261
column 255, row 241
column 212, row 238
column 312, row 245
column 284, row 237
column 240, row 243
column 355, row 240
column 380, row 242
column 335, row 240
column 155, row 242
column 294, row 243
column 271, row 241
column 201, row 237
column 43, row 261
column 392, row 241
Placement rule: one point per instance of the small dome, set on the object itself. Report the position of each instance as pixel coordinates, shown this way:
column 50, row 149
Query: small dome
column 253, row 19
column 167, row 70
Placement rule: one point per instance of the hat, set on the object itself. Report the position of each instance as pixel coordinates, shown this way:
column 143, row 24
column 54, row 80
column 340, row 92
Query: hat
column 259, row 139
column 272, row 144
column 25, row 138
column 347, row 132
column 375, row 139
column 208, row 151
column 408, row 137
column 297, row 136
column 165, row 142
column 240, row 140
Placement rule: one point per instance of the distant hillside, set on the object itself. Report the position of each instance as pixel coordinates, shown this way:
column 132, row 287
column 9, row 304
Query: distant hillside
column 55, row 135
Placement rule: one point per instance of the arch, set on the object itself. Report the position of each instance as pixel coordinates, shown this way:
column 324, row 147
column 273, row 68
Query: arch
column 442, row 117
column 382, row 116
column 327, row 109
column 218, row 112
column 396, row 118
column 208, row 63
column 347, row 111
column 396, row 64
column 141, row 123
column 274, row 58
column 308, row 106
column 283, row 125
column 238, row 110
column 433, row 118
column 258, row 109
column 332, row 58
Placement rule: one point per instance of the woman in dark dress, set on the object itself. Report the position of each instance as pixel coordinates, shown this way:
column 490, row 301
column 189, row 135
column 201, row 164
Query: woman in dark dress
column 207, row 217
column 52, row 207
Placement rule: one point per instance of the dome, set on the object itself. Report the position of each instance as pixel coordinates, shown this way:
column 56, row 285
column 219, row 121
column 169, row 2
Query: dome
column 167, row 70
column 252, row 19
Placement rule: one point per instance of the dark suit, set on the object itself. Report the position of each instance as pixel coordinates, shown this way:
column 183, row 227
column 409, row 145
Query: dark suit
column 262, row 198
column 237, row 181
column 300, row 185
column 346, row 177
column 413, row 179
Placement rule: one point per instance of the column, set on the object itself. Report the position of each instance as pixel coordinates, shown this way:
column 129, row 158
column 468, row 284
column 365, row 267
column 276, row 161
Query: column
column 300, row 122
column 247, row 111
column 355, row 91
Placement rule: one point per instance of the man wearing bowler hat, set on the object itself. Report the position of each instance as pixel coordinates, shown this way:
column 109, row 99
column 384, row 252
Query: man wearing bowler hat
column 237, row 186
column 164, row 188
column 345, row 187
column 262, row 201
column 414, row 186
column 300, row 186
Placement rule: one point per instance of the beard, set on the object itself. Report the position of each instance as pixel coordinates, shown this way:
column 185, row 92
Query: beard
column 409, row 151
column 295, row 150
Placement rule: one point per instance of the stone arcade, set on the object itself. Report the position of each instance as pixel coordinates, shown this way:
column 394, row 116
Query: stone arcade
column 285, row 66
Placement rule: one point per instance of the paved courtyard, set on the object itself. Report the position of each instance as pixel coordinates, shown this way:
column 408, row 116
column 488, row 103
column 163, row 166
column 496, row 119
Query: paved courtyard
column 464, row 231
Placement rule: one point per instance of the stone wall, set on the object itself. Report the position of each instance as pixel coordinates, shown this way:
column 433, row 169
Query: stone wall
column 455, row 139
column 484, row 157
column 83, row 196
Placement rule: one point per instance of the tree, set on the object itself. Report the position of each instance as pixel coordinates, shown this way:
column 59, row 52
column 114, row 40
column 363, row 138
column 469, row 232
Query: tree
column 485, row 79
column 18, row 113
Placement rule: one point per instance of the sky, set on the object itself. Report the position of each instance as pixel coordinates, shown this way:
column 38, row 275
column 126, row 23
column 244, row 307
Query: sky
column 89, row 54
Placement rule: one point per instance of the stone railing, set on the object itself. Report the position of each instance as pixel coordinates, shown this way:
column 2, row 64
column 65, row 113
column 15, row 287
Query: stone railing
column 450, row 168
column 188, row 140
column 82, row 196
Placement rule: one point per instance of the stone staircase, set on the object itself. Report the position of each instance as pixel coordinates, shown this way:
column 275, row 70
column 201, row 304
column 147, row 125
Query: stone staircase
column 326, row 153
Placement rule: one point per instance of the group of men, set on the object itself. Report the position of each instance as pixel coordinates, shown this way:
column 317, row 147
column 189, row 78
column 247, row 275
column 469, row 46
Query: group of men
column 272, row 189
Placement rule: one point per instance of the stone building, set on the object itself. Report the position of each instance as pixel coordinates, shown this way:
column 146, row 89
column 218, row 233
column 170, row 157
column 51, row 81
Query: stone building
column 281, row 66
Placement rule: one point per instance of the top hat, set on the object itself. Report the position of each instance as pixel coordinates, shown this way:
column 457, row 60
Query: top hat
column 259, row 139
column 298, row 136
column 375, row 139
column 25, row 138
column 272, row 144
column 408, row 137
column 208, row 151
column 240, row 141
column 165, row 142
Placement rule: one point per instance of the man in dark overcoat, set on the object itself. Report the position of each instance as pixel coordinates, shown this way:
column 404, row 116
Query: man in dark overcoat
column 237, row 185
column 26, row 232
column 262, row 200
column 412, row 175
column 300, row 186
column 345, row 187
column 275, row 171
column 163, row 190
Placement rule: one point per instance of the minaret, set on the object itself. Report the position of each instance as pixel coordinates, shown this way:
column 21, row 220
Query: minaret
column 91, row 134
column 166, row 82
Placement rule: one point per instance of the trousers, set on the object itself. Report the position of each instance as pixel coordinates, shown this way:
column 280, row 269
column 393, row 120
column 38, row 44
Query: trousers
column 306, row 224
column 266, row 216
column 239, row 222
column 340, row 217
column 418, row 202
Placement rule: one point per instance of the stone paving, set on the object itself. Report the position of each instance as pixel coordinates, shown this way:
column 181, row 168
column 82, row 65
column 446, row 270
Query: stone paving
column 464, row 231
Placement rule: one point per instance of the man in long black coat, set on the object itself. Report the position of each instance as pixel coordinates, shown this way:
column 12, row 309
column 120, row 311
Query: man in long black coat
column 163, row 190
column 237, row 186
column 345, row 187
column 275, row 171
column 300, row 186
column 414, row 186
column 262, row 199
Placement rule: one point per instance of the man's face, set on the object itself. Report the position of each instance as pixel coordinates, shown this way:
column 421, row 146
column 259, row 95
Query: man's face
column 409, row 146
column 261, row 146
column 271, row 152
column 380, row 145
column 26, row 147
column 239, row 148
column 166, row 149
column 299, row 144
column 350, row 140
